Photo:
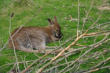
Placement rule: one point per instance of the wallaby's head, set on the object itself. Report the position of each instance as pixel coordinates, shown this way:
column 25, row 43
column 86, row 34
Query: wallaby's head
column 55, row 28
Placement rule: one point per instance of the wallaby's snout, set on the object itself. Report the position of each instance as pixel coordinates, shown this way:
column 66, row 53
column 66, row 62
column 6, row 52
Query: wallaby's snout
column 59, row 35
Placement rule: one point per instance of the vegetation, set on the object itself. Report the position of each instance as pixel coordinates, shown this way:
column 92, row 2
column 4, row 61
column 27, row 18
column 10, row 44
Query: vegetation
column 75, row 17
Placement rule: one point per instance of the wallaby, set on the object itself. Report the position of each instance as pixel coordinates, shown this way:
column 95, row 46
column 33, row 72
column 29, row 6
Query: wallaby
column 34, row 39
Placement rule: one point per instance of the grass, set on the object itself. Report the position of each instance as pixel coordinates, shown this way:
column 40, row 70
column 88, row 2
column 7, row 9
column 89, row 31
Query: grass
column 36, row 12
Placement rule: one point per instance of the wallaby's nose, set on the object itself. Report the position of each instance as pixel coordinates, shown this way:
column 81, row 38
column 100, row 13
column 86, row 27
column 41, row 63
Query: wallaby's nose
column 60, row 35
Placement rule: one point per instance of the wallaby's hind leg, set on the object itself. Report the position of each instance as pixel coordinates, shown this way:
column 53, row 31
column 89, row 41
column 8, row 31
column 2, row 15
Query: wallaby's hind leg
column 38, row 45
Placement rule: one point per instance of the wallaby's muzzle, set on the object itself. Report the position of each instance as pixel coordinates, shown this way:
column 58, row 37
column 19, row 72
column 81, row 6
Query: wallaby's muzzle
column 59, row 36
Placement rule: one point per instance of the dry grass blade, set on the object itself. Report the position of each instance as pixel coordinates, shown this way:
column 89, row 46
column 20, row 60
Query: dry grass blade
column 93, row 47
column 13, row 45
column 53, row 59
column 97, row 66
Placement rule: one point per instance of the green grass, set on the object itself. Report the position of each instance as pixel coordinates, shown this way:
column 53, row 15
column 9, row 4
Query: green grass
column 36, row 12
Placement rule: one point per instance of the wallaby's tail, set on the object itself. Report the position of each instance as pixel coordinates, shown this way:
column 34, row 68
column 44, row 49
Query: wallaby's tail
column 35, row 51
column 28, row 50
column 40, row 51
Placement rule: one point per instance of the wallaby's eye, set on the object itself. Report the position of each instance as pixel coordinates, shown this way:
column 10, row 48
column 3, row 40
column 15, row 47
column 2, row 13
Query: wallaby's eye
column 57, row 31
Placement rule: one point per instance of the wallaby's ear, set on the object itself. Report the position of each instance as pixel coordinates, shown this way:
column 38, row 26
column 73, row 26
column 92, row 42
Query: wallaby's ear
column 50, row 21
column 55, row 19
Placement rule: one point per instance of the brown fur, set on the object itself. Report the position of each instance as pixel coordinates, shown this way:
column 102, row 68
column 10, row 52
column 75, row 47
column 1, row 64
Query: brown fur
column 29, row 38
